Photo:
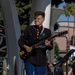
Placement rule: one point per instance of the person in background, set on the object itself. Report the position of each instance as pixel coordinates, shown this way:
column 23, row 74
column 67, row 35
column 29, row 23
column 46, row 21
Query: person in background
column 67, row 68
column 73, row 65
column 72, row 41
column 49, row 71
column 58, row 67
column 36, row 63
column 51, row 65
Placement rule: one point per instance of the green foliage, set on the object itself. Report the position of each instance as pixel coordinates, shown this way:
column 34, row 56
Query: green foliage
column 68, row 9
column 72, row 10
column 23, row 27
column 56, row 51
column 23, row 8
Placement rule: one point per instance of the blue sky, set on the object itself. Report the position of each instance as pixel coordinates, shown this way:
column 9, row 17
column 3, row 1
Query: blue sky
column 63, row 17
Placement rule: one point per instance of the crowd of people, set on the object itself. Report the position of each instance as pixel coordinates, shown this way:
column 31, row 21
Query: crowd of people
column 65, row 68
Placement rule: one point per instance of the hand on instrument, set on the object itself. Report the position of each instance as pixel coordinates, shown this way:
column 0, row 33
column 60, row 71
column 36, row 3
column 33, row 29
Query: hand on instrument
column 47, row 43
column 28, row 49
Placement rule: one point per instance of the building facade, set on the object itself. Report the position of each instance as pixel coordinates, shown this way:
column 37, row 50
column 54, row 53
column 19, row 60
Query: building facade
column 64, row 41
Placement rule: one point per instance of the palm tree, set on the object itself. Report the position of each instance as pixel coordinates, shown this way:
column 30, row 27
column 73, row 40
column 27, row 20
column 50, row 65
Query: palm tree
column 73, row 13
column 67, row 11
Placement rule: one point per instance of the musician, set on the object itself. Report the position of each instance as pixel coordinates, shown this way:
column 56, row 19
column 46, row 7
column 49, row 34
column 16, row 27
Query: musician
column 34, row 34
